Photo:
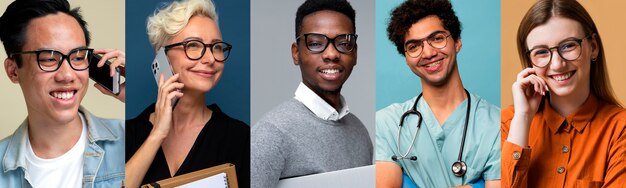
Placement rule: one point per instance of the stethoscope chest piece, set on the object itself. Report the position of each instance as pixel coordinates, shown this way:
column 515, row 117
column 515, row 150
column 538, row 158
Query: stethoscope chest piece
column 459, row 168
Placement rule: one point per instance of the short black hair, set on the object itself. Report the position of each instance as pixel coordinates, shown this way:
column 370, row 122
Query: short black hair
column 18, row 15
column 311, row 6
column 411, row 11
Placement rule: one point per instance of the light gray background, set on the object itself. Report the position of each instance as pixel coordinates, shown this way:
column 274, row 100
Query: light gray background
column 274, row 78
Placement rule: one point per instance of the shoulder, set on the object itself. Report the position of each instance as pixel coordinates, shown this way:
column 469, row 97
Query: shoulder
column 115, row 126
column 286, row 113
column 227, row 121
column 613, row 116
column 485, row 112
column 394, row 111
column 4, row 144
column 485, row 106
column 351, row 119
column 143, row 118
column 612, row 112
column 7, row 175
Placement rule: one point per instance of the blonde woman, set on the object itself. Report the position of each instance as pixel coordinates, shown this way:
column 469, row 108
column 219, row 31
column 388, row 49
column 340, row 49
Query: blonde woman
column 164, row 141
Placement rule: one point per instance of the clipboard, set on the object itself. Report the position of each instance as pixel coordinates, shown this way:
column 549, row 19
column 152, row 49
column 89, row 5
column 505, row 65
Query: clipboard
column 200, row 175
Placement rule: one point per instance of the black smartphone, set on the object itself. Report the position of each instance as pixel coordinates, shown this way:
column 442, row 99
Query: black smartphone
column 101, row 75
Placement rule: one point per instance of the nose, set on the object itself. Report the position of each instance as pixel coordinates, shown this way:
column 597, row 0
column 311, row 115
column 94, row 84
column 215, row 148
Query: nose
column 330, row 53
column 556, row 61
column 208, row 57
column 65, row 73
column 428, row 51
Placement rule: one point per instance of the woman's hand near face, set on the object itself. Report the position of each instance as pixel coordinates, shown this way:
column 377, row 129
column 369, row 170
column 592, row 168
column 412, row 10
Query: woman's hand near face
column 528, row 91
column 118, row 60
column 162, row 117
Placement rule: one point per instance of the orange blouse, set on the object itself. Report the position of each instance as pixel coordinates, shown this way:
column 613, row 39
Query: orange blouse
column 585, row 149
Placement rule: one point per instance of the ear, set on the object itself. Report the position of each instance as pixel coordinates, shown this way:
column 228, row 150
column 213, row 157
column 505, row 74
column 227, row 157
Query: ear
column 10, row 66
column 457, row 45
column 354, row 53
column 294, row 53
column 595, row 49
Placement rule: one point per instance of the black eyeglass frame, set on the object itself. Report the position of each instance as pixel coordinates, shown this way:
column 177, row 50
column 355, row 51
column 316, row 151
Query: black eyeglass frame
column 228, row 48
column 63, row 57
column 330, row 40
column 558, row 50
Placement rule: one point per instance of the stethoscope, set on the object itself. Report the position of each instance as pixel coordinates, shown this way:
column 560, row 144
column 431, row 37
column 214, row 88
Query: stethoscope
column 459, row 167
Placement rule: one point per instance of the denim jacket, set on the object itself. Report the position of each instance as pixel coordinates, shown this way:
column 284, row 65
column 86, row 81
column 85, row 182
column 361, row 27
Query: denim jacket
column 103, row 159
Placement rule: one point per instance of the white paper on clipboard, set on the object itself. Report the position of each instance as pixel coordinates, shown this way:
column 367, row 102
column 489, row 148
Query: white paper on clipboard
column 215, row 181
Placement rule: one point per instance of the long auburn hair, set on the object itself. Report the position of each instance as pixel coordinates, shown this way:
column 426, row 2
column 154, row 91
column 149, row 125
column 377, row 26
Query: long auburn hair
column 540, row 13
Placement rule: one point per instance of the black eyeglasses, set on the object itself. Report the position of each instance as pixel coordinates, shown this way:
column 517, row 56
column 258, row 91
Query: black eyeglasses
column 317, row 43
column 51, row 60
column 414, row 47
column 195, row 49
column 569, row 50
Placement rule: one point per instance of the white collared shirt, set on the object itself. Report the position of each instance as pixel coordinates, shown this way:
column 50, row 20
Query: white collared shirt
column 318, row 106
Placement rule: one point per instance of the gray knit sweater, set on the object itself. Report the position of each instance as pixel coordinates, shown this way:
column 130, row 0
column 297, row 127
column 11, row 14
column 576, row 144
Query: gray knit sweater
column 290, row 141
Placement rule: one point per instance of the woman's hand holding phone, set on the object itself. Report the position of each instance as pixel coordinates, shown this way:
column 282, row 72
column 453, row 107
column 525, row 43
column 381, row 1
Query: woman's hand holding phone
column 528, row 91
column 162, row 117
column 119, row 62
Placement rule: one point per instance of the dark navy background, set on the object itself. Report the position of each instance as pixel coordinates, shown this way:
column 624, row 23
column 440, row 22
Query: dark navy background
column 232, row 92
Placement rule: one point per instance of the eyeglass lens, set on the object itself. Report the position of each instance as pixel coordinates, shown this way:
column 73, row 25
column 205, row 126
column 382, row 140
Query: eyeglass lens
column 568, row 50
column 51, row 60
column 343, row 43
column 196, row 49
column 415, row 47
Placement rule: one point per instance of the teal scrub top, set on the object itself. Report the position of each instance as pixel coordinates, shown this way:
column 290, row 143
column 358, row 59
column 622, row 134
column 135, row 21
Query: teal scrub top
column 437, row 147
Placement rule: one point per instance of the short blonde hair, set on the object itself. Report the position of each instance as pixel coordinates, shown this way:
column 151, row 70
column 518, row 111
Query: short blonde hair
column 168, row 21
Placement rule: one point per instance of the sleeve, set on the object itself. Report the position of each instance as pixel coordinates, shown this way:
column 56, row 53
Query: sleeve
column 266, row 158
column 515, row 159
column 616, row 172
column 492, row 168
column 386, row 133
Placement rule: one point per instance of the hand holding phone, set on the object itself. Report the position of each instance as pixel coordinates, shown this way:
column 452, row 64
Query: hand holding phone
column 161, row 66
column 101, row 75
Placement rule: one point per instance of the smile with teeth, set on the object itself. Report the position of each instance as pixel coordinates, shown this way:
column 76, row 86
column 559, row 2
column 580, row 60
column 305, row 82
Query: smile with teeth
column 433, row 64
column 64, row 95
column 562, row 77
column 330, row 71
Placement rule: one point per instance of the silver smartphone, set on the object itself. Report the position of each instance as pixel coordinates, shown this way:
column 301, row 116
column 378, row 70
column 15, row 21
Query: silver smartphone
column 161, row 65
column 101, row 75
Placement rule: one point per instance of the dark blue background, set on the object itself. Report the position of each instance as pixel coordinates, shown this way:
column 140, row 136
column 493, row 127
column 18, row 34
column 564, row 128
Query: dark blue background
column 232, row 93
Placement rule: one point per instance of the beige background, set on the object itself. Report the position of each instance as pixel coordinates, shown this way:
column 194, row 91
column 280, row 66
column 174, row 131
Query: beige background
column 611, row 23
column 105, row 21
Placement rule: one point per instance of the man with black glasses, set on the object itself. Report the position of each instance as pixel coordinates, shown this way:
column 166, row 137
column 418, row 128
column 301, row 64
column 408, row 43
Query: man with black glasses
column 60, row 144
column 445, row 136
column 314, row 132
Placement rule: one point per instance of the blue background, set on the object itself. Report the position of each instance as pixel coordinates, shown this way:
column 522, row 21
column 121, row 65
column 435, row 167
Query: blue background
column 478, row 60
column 232, row 93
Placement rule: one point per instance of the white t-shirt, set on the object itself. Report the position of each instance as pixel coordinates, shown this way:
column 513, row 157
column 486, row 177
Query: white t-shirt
column 63, row 171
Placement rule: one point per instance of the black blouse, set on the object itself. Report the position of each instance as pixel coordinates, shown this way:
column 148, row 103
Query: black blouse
column 222, row 140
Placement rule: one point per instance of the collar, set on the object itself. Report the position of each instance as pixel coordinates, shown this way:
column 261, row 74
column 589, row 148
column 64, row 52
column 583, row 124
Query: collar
column 15, row 154
column 578, row 120
column 318, row 106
